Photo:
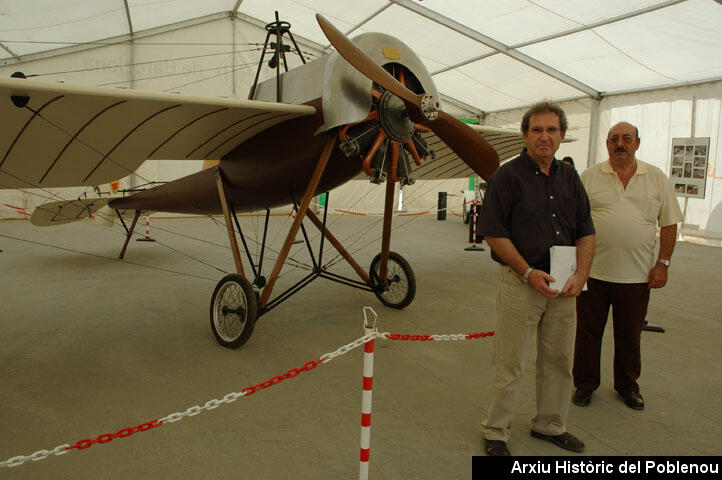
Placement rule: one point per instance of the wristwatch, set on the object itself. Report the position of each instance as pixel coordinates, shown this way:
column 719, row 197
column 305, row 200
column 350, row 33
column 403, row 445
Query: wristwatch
column 525, row 277
column 664, row 262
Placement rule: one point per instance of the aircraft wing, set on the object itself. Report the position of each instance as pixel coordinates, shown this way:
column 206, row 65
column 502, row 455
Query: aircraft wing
column 446, row 164
column 70, row 135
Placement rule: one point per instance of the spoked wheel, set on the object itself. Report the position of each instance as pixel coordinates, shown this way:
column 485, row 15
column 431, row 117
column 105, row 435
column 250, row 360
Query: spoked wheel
column 400, row 287
column 234, row 309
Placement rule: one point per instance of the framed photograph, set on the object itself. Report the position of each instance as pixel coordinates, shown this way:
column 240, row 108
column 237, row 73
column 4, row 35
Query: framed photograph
column 688, row 163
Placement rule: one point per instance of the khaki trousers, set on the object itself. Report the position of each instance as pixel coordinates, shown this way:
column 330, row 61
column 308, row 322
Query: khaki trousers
column 522, row 311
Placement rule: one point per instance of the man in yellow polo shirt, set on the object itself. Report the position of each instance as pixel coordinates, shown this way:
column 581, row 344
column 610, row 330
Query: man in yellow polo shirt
column 628, row 199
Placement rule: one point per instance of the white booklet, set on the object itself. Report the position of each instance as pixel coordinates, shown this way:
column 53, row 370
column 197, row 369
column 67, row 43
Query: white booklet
column 563, row 265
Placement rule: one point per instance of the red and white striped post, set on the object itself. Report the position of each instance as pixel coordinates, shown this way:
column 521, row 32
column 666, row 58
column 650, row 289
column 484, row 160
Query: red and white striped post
column 473, row 246
column 369, row 329
column 147, row 237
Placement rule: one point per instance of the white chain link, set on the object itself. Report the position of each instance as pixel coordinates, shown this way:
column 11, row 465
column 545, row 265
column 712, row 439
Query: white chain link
column 327, row 357
column 228, row 398
column 39, row 455
column 457, row 336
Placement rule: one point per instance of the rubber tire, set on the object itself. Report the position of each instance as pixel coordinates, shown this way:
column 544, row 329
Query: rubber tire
column 398, row 269
column 233, row 291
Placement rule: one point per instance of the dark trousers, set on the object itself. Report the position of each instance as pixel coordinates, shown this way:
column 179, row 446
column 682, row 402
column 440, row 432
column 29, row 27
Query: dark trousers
column 629, row 306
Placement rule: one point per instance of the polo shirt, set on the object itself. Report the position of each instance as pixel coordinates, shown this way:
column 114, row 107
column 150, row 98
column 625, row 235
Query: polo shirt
column 533, row 210
column 626, row 220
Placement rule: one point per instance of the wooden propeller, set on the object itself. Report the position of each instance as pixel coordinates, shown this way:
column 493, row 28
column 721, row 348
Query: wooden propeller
column 471, row 147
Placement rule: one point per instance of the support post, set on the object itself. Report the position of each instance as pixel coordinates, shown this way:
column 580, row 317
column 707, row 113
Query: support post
column 130, row 233
column 303, row 208
column 339, row 248
column 229, row 223
column 386, row 234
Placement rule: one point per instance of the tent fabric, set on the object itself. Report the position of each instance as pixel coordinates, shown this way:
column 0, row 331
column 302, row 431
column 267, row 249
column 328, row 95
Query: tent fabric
column 672, row 42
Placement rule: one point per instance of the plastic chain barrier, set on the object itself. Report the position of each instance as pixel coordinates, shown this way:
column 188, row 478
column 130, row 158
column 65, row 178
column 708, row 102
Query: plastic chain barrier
column 231, row 397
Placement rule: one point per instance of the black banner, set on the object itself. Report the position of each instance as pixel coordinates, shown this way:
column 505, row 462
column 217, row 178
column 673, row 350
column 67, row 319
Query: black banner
column 597, row 467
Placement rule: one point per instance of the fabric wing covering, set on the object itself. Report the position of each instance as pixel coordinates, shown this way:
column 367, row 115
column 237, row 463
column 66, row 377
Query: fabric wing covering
column 87, row 136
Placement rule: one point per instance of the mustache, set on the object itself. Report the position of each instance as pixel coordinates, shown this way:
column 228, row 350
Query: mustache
column 620, row 150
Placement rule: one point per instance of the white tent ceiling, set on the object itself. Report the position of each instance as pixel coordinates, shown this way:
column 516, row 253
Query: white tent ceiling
column 486, row 54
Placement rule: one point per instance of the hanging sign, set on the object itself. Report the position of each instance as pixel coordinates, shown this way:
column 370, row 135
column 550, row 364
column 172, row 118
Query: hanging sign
column 688, row 168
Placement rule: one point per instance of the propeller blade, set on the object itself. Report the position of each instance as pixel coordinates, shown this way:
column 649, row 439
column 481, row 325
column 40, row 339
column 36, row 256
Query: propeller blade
column 471, row 147
column 361, row 62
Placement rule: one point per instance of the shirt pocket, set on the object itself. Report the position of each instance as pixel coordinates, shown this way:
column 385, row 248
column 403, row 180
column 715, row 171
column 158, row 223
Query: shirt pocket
column 652, row 210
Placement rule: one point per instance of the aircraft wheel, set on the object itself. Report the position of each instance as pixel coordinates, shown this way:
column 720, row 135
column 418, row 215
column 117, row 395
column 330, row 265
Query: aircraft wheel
column 234, row 309
column 400, row 286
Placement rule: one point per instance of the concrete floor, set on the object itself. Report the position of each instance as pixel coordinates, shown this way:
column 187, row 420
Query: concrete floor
column 90, row 345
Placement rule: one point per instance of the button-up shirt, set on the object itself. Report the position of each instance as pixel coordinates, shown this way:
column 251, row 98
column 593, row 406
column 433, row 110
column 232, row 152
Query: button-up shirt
column 534, row 210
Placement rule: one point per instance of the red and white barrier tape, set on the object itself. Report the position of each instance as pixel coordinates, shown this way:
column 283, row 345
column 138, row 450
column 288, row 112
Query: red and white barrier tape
column 233, row 396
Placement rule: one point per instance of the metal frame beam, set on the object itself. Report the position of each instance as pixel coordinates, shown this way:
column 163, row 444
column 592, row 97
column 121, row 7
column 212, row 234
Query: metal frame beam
column 235, row 9
column 496, row 45
column 358, row 25
column 115, row 40
column 601, row 23
column 367, row 19
column 4, row 47
column 127, row 14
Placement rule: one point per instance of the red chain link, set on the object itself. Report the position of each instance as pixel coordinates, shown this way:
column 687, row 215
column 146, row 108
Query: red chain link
column 107, row 437
column 308, row 366
column 423, row 338
column 479, row 335
column 403, row 336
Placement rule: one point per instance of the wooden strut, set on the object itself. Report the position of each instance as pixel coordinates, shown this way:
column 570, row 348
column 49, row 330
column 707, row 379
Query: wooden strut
column 339, row 248
column 229, row 223
column 130, row 234
column 386, row 234
column 302, row 210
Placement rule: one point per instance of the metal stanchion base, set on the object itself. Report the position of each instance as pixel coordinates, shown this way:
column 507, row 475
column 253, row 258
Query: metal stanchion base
column 145, row 239
column 652, row 328
column 475, row 248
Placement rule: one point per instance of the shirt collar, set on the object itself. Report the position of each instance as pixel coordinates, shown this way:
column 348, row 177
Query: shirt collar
column 641, row 167
column 532, row 166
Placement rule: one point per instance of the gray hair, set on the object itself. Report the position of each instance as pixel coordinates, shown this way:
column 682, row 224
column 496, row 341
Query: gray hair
column 544, row 107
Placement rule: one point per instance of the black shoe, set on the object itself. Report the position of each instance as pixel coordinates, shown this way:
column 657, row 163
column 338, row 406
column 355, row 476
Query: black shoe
column 496, row 448
column 566, row 440
column 582, row 397
column 633, row 400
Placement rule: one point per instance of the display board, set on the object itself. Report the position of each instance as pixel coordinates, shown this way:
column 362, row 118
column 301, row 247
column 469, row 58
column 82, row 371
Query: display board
column 688, row 168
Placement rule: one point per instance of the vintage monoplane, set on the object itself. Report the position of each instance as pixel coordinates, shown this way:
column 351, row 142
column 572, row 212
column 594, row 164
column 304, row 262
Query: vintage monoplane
column 369, row 108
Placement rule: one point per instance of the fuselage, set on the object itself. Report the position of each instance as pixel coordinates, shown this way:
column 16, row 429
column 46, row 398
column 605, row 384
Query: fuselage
column 268, row 170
